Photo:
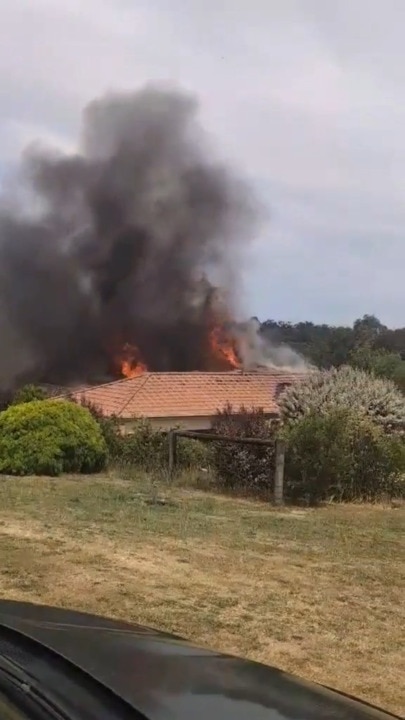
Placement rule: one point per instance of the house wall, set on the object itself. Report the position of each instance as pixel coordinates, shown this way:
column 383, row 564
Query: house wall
column 168, row 423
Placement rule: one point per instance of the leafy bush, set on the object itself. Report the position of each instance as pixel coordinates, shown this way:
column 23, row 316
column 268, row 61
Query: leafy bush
column 346, row 387
column 193, row 454
column 342, row 455
column 380, row 362
column 144, row 447
column 238, row 466
column 49, row 437
column 148, row 449
column 109, row 427
column 28, row 393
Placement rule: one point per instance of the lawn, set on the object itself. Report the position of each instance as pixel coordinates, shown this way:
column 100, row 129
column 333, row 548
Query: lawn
column 315, row 592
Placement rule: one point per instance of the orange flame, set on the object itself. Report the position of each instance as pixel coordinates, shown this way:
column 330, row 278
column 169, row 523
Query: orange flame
column 130, row 371
column 130, row 362
column 223, row 348
column 222, row 352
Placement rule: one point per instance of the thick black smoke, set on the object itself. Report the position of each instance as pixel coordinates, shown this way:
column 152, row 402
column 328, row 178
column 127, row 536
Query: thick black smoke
column 108, row 246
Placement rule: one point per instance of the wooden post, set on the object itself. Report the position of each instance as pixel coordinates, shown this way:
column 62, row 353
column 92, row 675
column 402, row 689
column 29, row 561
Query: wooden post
column 279, row 473
column 172, row 438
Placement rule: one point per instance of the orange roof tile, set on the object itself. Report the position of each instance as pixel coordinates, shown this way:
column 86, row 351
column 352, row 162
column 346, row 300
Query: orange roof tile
column 187, row 394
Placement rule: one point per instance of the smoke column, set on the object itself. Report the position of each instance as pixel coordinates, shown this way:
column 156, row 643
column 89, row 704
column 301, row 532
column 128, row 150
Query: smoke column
column 111, row 245
column 257, row 351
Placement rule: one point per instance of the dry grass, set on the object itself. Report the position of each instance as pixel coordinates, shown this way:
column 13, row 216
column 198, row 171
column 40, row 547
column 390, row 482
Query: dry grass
column 316, row 592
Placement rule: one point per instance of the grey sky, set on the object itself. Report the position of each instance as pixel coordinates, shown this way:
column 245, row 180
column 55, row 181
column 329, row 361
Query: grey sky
column 306, row 97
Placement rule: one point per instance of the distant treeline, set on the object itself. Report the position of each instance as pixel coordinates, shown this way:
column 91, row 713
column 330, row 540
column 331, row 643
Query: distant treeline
column 367, row 344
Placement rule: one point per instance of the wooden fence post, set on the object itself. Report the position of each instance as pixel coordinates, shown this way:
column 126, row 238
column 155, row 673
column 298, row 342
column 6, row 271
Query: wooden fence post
column 279, row 473
column 172, row 438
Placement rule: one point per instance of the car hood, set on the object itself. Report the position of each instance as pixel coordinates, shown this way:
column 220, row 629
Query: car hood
column 167, row 678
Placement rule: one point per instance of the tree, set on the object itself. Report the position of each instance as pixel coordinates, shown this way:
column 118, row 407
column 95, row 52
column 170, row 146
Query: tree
column 366, row 330
column 381, row 363
column 28, row 393
column 327, row 346
column 322, row 345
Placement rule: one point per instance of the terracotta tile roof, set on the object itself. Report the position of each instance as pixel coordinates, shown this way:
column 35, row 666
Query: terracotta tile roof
column 187, row 394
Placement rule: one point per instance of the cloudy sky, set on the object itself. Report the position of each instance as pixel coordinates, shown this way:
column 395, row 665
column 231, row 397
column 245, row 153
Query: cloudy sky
column 305, row 97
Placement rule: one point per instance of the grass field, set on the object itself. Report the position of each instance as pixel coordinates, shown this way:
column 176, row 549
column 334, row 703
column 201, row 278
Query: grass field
column 316, row 592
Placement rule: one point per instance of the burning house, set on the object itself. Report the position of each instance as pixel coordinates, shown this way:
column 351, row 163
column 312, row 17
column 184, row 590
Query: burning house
column 107, row 255
column 187, row 400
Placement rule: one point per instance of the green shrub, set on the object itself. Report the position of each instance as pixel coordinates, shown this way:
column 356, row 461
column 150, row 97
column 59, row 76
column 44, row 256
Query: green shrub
column 238, row 466
column 144, row 447
column 193, row 454
column 346, row 387
column 28, row 393
column 148, row 449
column 109, row 427
column 342, row 455
column 49, row 437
